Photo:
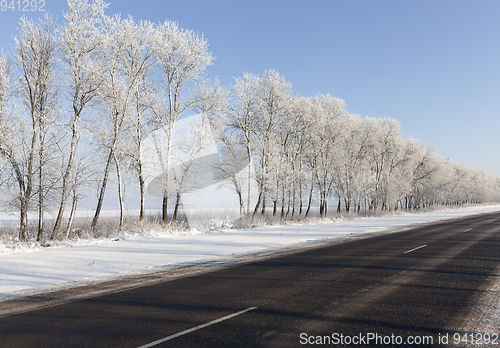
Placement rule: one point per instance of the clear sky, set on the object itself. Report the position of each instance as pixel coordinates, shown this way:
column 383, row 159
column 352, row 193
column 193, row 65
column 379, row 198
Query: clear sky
column 432, row 65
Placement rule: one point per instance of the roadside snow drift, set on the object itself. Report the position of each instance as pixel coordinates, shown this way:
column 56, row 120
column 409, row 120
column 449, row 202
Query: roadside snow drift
column 34, row 269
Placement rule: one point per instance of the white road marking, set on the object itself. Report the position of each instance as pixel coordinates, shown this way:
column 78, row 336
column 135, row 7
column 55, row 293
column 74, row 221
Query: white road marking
column 420, row 247
column 470, row 229
column 168, row 338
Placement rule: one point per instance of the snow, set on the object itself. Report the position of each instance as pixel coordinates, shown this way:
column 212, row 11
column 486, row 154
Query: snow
column 32, row 269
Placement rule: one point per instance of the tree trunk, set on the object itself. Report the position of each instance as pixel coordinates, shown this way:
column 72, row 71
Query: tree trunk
column 164, row 209
column 249, row 191
column 325, row 203
column 72, row 214
column 263, row 203
column 289, row 204
column 166, row 173
column 142, row 214
column 102, row 190
column 283, row 203
column 321, row 205
column 64, row 194
column 41, row 160
column 23, row 228
column 239, row 192
column 176, row 209
column 257, row 205
column 310, row 201
column 40, row 204
column 300, row 199
column 120, row 193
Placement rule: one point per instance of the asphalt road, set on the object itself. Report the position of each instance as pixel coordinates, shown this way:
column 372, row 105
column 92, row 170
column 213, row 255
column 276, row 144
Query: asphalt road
column 415, row 283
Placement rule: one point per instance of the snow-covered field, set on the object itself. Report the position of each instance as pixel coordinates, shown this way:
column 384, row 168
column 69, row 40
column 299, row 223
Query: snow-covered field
column 27, row 270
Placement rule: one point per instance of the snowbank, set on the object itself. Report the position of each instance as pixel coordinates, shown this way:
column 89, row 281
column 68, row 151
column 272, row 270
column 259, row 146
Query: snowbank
column 34, row 269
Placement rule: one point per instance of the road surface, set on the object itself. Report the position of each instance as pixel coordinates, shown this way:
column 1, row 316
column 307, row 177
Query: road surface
column 414, row 284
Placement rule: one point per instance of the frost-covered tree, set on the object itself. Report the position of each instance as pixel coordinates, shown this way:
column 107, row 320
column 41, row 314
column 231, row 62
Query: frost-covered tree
column 324, row 132
column 13, row 148
column 79, row 40
column 191, row 146
column 290, row 162
column 139, row 61
column 426, row 173
column 403, row 172
column 127, row 59
column 182, row 57
column 35, row 59
column 240, row 117
column 222, row 110
column 297, row 123
column 272, row 96
column 382, row 151
column 350, row 164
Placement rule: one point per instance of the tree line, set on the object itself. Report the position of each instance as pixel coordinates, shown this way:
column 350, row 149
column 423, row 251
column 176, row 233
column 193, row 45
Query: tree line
column 78, row 100
column 306, row 146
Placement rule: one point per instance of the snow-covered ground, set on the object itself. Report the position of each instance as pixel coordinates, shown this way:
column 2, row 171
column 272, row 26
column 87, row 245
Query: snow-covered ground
column 34, row 269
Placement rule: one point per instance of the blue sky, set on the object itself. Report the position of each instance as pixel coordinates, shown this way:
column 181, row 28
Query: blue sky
column 432, row 65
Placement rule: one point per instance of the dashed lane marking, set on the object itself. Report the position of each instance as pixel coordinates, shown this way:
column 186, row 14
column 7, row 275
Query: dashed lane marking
column 420, row 247
column 168, row 338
